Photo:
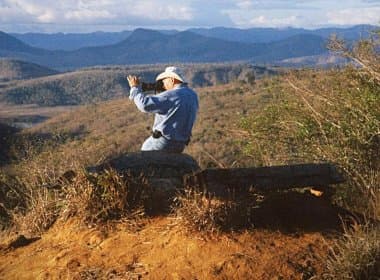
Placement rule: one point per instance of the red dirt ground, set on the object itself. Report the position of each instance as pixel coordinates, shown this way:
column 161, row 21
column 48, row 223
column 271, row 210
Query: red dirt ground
column 289, row 241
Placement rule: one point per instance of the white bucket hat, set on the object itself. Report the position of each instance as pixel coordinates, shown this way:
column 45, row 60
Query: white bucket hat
column 172, row 72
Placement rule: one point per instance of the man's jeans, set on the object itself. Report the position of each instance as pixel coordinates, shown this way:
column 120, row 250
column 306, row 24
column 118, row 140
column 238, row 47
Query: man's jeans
column 163, row 144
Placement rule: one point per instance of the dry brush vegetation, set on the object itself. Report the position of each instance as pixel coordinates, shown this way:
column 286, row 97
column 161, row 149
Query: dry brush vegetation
column 331, row 116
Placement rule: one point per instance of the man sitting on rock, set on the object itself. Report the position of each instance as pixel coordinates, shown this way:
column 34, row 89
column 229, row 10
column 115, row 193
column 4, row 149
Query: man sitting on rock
column 175, row 111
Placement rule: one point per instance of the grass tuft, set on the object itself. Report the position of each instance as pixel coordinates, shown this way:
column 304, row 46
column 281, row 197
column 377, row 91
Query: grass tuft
column 199, row 212
column 107, row 196
column 356, row 255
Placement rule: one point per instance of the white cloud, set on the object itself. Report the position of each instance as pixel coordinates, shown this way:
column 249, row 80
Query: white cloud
column 47, row 16
column 278, row 22
column 254, row 17
column 355, row 16
column 37, row 11
column 64, row 11
column 161, row 10
column 129, row 14
column 302, row 13
column 87, row 15
column 245, row 4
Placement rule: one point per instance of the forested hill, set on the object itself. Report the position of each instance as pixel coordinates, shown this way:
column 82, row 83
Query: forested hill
column 103, row 83
column 11, row 69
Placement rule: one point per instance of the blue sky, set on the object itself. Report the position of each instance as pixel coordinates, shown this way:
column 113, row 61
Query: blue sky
column 117, row 15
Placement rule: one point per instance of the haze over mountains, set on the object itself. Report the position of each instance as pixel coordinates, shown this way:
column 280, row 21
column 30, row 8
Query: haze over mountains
column 144, row 46
column 73, row 41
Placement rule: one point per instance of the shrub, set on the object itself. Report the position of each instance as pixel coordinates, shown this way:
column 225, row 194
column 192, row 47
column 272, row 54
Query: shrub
column 331, row 116
column 356, row 255
column 101, row 197
column 204, row 213
column 34, row 204
column 324, row 116
column 42, row 210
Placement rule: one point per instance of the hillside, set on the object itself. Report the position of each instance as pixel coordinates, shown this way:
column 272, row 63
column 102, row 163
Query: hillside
column 66, row 89
column 289, row 236
column 296, row 46
column 120, row 127
column 20, row 70
column 6, row 132
column 324, row 60
column 99, row 84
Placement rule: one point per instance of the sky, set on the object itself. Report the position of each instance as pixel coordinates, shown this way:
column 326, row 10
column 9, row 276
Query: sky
column 77, row 16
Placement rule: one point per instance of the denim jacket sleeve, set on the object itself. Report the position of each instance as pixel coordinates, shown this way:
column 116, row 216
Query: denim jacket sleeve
column 149, row 103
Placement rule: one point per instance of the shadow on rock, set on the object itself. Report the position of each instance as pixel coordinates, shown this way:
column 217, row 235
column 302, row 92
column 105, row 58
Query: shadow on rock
column 294, row 212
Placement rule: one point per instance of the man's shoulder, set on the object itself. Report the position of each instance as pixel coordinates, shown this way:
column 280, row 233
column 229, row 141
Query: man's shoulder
column 182, row 89
column 183, row 92
column 187, row 89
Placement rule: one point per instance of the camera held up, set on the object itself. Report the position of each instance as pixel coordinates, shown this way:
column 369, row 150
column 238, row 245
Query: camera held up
column 157, row 87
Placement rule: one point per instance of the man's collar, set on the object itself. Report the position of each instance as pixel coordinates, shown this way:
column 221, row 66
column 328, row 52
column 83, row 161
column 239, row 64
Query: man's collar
column 180, row 85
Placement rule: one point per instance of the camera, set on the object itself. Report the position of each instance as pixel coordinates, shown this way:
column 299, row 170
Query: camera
column 157, row 87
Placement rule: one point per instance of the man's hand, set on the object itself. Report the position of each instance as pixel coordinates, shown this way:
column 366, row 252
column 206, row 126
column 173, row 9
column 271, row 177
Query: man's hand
column 133, row 81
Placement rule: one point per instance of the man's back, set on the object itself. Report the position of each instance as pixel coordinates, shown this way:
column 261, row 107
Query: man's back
column 176, row 123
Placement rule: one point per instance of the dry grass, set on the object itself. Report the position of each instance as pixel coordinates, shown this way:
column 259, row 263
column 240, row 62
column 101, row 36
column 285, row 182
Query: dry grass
column 42, row 210
column 92, row 198
column 108, row 196
column 27, row 205
column 331, row 116
column 196, row 211
column 320, row 116
column 356, row 255
column 207, row 214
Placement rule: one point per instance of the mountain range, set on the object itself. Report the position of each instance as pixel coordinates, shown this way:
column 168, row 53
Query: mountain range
column 145, row 46
column 73, row 41
column 267, row 35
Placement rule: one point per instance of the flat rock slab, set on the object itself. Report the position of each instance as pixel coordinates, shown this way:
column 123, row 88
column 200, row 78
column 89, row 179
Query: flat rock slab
column 162, row 171
column 152, row 164
column 222, row 181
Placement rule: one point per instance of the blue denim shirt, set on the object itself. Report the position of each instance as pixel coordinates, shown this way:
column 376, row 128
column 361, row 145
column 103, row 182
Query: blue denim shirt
column 175, row 110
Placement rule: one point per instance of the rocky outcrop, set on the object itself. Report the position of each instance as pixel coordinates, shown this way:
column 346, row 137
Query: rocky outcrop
column 163, row 171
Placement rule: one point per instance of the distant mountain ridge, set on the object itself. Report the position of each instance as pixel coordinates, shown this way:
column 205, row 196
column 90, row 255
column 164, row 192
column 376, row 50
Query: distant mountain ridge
column 71, row 41
column 145, row 46
column 267, row 35
column 74, row 41
column 10, row 44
